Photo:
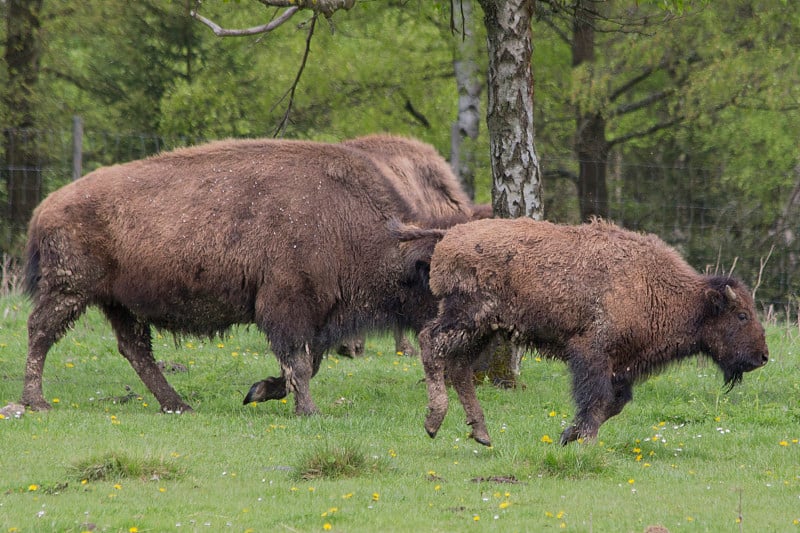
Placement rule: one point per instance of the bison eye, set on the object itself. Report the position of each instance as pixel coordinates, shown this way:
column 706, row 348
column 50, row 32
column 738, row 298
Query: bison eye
column 743, row 317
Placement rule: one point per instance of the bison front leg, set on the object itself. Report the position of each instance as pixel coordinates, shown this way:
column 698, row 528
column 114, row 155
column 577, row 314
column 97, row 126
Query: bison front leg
column 623, row 393
column 594, row 395
column 134, row 343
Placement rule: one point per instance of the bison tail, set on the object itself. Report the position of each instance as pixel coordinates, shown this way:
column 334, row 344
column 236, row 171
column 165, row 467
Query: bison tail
column 409, row 232
column 32, row 268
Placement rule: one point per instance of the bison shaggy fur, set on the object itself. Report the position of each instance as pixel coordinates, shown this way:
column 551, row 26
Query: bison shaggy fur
column 289, row 235
column 615, row 305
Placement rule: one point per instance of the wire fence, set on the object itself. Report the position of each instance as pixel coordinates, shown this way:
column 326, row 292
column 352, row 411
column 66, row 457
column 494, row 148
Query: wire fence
column 691, row 208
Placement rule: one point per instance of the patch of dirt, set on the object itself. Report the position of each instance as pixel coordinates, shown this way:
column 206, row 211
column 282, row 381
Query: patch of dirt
column 495, row 479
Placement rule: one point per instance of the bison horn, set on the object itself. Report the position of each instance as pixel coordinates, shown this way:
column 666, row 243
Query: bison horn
column 730, row 294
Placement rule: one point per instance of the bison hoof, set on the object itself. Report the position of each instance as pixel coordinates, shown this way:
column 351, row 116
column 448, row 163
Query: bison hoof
column 570, row 434
column 180, row 409
column 269, row 389
column 482, row 438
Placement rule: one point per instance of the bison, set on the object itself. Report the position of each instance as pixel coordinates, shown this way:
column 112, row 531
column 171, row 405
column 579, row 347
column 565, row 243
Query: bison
column 425, row 181
column 288, row 235
column 615, row 305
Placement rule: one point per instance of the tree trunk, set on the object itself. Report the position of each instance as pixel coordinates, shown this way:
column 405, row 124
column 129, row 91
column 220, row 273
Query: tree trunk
column 22, row 57
column 516, row 175
column 517, row 183
column 591, row 146
column 468, row 81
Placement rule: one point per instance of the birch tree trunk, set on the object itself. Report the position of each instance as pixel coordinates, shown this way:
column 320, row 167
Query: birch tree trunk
column 516, row 175
column 469, row 84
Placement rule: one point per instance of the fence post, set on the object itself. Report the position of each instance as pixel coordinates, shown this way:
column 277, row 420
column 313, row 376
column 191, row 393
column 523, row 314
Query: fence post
column 77, row 147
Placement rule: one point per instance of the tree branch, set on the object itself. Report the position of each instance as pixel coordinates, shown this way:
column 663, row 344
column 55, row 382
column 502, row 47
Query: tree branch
column 625, row 87
column 560, row 173
column 255, row 30
column 644, row 133
column 644, row 102
column 326, row 7
column 418, row 116
column 282, row 126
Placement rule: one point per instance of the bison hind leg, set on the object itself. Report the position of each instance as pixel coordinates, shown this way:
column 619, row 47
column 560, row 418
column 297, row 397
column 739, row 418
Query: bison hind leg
column 452, row 346
column 49, row 320
column 461, row 375
column 134, row 343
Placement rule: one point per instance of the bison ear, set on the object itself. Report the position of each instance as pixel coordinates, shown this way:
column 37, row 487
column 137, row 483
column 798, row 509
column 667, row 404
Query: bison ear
column 715, row 301
column 720, row 300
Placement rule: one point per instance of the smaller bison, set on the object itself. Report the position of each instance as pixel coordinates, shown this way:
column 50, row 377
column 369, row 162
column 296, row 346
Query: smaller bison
column 616, row 306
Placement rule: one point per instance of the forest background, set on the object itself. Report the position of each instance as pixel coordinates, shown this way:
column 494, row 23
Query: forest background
column 683, row 121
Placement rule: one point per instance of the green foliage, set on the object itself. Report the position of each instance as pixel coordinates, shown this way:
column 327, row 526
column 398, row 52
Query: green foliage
column 683, row 454
column 701, row 106
column 713, row 183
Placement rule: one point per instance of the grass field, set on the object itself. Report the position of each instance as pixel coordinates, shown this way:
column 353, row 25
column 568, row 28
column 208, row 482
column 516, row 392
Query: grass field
column 683, row 454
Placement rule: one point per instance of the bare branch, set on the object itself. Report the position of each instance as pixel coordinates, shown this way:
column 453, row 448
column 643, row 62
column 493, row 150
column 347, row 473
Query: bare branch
column 763, row 263
column 264, row 28
column 644, row 133
column 561, row 173
column 282, row 126
column 326, row 7
column 644, row 102
column 625, row 87
column 418, row 116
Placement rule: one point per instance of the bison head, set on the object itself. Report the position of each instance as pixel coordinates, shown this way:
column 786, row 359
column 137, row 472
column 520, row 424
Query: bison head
column 731, row 333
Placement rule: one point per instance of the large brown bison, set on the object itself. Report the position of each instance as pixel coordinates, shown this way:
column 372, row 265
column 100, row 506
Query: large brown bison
column 616, row 306
column 288, row 235
column 425, row 181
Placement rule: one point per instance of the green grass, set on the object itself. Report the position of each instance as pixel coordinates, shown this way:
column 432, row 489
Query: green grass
column 683, row 454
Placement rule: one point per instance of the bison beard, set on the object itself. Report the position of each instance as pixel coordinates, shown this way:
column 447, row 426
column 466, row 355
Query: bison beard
column 616, row 306
column 291, row 236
